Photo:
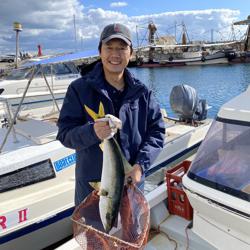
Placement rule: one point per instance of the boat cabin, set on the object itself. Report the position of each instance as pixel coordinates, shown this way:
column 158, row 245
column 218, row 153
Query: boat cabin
column 218, row 182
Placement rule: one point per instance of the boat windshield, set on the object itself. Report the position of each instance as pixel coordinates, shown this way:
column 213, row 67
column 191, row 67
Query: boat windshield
column 56, row 69
column 223, row 160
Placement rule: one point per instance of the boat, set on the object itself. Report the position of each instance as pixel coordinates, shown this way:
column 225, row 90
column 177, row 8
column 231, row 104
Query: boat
column 37, row 174
column 183, row 55
column 204, row 203
column 218, row 183
column 165, row 52
column 217, row 187
column 36, row 184
column 41, row 77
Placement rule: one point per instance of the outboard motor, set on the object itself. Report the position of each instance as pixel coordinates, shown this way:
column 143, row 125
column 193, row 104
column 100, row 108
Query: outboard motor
column 185, row 103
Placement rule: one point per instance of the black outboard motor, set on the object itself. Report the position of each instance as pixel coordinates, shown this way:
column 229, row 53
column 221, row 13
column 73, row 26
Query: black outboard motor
column 185, row 102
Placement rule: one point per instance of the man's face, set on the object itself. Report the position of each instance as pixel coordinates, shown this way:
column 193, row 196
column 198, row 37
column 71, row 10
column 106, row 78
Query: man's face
column 115, row 55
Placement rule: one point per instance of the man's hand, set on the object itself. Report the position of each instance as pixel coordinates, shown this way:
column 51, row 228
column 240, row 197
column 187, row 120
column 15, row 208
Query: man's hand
column 135, row 174
column 102, row 129
column 107, row 126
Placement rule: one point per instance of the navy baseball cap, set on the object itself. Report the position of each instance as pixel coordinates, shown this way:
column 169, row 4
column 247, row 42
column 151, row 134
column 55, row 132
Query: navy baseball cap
column 116, row 30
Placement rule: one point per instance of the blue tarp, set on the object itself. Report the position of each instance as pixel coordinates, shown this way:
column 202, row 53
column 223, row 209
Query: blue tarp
column 64, row 58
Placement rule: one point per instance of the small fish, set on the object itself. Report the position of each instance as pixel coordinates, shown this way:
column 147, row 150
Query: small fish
column 114, row 168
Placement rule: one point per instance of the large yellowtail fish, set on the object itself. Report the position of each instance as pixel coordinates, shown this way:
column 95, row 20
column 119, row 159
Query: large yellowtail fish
column 114, row 168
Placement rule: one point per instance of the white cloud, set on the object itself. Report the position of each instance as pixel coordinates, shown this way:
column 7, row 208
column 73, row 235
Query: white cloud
column 118, row 4
column 51, row 24
column 44, row 22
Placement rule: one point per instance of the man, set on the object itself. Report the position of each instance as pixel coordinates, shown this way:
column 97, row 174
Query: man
column 109, row 88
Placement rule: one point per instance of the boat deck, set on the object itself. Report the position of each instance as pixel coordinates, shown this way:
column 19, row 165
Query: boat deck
column 174, row 233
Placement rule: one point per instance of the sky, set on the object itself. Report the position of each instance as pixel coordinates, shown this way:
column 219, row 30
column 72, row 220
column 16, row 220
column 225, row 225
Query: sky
column 73, row 25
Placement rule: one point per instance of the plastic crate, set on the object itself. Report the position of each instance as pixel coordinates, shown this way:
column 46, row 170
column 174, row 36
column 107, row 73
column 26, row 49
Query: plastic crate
column 178, row 202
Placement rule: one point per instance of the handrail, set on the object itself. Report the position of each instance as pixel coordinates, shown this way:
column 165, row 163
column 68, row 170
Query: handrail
column 35, row 71
column 9, row 114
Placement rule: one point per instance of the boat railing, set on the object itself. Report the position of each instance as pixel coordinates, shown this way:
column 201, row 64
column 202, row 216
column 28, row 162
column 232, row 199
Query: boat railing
column 8, row 111
column 13, row 117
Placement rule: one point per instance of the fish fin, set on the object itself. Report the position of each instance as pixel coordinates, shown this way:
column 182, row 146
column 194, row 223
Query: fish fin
column 101, row 112
column 101, row 145
column 91, row 113
column 95, row 185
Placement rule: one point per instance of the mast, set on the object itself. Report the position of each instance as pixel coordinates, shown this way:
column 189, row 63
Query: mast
column 247, row 39
column 151, row 36
column 151, row 40
column 184, row 37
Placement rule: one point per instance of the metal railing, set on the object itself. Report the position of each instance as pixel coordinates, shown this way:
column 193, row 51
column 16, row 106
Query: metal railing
column 13, row 118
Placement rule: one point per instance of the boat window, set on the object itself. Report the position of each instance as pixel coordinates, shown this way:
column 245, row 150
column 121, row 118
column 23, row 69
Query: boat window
column 18, row 74
column 31, row 174
column 63, row 68
column 46, row 70
column 223, row 160
column 72, row 67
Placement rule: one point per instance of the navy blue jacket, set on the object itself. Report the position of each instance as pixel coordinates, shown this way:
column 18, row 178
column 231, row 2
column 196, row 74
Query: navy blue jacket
column 142, row 133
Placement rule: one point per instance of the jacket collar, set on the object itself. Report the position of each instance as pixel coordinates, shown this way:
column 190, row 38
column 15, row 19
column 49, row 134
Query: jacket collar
column 95, row 79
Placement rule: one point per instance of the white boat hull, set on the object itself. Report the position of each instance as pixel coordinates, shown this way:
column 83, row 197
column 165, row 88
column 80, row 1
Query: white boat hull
column 222, row 60
column 214, row 218
column 39, row 236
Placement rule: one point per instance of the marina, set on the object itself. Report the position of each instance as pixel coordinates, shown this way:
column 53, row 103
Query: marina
column 179, row 145
column 182, row 141
column 196, row 193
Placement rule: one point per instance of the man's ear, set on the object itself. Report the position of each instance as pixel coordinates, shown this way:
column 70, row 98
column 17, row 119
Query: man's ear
column 131, row 50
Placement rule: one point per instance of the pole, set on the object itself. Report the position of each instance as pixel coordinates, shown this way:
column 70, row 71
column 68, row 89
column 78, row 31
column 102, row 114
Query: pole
column 17, row 48
column 17, row 27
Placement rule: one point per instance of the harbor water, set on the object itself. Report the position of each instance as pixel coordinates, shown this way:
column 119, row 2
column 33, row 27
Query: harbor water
column 215, row 83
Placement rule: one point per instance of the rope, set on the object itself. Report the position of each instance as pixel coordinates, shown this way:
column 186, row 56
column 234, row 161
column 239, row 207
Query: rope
column 158, row 230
